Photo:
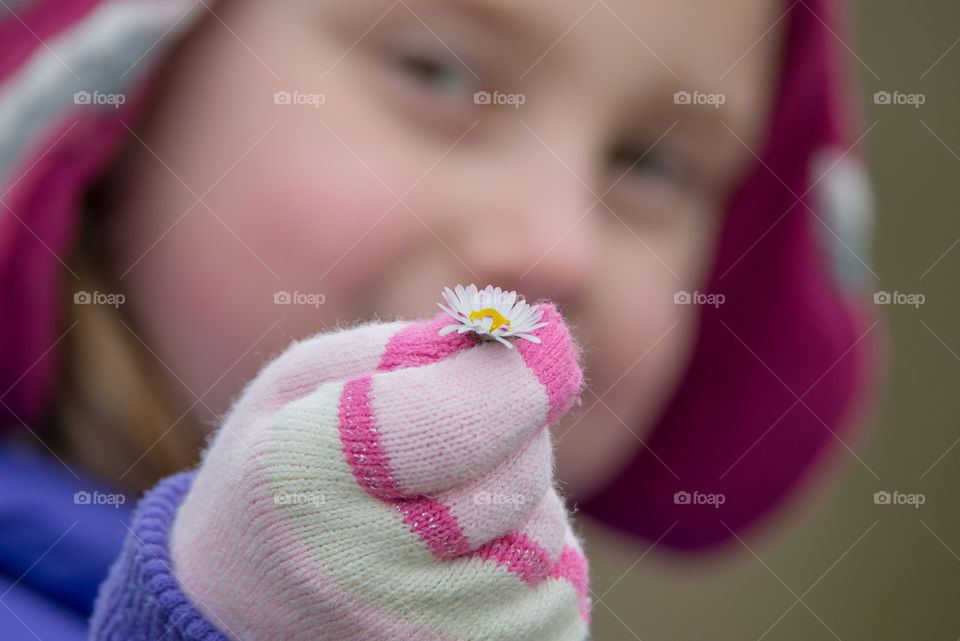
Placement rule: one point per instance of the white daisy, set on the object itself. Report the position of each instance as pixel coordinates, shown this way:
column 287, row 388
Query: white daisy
column 490, row 314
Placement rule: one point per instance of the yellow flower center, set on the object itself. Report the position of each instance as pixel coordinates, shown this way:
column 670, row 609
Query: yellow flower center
column 497, row 317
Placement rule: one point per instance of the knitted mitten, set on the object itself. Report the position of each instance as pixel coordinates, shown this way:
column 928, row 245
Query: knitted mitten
column 384, row 482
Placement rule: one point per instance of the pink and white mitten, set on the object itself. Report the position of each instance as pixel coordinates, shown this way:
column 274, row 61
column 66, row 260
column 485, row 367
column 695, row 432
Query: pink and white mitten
column 386, row 482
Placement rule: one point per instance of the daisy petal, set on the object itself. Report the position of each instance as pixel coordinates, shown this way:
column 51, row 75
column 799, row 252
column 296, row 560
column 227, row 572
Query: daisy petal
column 529, row 337
column 504, row 341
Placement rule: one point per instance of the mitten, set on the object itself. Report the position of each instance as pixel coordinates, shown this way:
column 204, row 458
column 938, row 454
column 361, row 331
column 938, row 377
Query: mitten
column 380, row 482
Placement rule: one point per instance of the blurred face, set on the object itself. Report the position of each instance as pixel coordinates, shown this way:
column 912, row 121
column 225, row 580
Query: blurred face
column 381, row 176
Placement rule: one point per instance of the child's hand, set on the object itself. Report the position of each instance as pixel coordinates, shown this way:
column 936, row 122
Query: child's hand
column 388, row 483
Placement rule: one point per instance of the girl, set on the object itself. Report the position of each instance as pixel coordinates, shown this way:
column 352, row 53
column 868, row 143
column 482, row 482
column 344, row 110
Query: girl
column 188, row 187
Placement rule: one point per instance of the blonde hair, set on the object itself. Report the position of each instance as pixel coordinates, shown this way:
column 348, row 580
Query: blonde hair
column 116, row 414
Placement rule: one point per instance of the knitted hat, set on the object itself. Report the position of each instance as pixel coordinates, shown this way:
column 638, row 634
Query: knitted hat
column 795, row 234
column 72, row 72
column 382, row 482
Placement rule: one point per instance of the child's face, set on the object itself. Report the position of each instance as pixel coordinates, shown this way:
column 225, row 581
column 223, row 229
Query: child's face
column 599, row 191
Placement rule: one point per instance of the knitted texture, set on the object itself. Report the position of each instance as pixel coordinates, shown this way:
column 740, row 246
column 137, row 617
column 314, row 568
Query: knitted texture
column 384, row 482
column 141, row 600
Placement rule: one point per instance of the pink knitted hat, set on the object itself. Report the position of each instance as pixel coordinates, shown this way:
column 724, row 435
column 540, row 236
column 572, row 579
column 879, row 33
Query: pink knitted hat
column 793, row 326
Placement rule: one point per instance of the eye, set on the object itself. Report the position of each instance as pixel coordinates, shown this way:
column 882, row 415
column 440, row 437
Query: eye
column 429, row 88
column 443, row 74
column 640, row 161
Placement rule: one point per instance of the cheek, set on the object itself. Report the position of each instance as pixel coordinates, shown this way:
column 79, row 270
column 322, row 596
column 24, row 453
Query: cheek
column 647, row 343
column 320, row 218
column 282, row 218
column 644, row 338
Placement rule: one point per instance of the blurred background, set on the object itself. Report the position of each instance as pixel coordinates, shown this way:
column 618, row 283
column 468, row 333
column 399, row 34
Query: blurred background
column 834, row 564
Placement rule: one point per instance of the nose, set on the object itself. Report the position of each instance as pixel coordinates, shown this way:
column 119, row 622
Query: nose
column 533, row 226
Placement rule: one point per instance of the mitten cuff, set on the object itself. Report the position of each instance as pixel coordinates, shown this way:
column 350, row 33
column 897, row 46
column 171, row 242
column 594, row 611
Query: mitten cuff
column 141, row 599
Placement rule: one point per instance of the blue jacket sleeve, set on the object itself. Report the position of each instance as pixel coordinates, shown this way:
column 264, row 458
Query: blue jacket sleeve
column 26, row 615
column 59, row 531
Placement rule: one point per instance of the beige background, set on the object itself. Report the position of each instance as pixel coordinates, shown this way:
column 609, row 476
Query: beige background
column 902, row 579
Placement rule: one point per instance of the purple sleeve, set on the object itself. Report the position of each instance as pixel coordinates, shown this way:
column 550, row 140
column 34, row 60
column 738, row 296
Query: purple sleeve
column 50, row 542
column 141, row 599
column 26, row 615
